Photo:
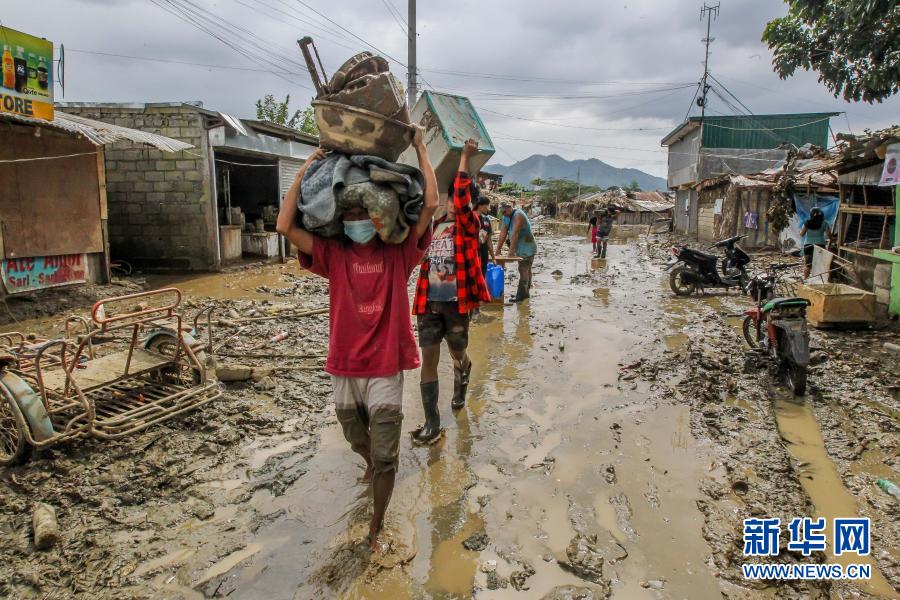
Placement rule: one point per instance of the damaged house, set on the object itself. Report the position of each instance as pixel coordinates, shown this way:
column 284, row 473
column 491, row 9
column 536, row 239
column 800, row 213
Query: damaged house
column 707, row 147
column 55, row 215
column 637, row 208
column 731, row 205
column 202, row 208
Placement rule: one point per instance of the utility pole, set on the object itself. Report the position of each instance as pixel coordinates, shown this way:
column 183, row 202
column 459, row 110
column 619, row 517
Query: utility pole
column 710, row 12
column 412, row 89
column 578, row 179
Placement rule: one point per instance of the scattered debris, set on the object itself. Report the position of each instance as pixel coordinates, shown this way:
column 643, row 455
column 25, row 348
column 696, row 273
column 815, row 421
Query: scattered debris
column 476, row 542
column 45, row 526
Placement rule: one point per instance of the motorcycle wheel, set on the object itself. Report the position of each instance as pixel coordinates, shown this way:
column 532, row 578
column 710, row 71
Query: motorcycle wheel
column 678, row 286
column 749, row 329
column 796, row 379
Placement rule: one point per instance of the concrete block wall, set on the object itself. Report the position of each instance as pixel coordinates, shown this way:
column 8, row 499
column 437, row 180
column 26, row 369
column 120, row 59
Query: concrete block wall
column 161, row 207
column 882, row 283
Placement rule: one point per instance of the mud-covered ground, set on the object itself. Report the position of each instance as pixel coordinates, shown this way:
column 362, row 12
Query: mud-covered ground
column 613, row 442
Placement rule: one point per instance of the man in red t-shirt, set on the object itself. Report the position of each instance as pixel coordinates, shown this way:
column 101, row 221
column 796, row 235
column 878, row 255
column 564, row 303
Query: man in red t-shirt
column 371, row 339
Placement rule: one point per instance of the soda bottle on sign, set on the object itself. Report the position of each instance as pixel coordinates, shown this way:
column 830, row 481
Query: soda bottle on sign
column 32, row 71
column 43, row 77
column 21, row 66
column 9, row 69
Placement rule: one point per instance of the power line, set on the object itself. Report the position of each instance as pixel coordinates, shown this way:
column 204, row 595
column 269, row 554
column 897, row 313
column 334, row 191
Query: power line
column 321, row 31
column 471, row 74
column 400, row 24
column 197, row 20
column 746, row 156
column 518, row 118
column 382, row 52
column 171, row 61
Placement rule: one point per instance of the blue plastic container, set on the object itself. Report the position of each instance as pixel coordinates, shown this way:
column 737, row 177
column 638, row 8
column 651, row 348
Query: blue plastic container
column 495, row 280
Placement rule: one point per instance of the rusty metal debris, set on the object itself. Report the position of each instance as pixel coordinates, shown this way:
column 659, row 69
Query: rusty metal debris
column 54, row 390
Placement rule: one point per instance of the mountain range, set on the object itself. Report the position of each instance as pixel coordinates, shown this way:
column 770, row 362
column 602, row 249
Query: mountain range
column 592, row 172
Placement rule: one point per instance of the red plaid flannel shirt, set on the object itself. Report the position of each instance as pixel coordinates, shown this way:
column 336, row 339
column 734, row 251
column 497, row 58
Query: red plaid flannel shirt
column 471, row 290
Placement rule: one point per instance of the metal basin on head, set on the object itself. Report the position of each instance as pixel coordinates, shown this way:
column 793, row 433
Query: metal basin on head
column 357, row 131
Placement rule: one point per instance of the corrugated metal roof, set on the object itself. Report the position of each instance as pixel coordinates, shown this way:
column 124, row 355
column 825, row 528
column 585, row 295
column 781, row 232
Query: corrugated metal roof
column 756, row 132
column 99, row 133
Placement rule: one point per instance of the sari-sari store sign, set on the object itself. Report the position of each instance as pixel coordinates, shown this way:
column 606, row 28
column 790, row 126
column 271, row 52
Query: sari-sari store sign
column 39, row 272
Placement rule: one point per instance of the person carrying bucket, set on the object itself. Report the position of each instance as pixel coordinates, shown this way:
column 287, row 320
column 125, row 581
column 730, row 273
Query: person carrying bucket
column 516, row 225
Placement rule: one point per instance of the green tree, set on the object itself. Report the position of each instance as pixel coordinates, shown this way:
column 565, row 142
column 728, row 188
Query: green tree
column 854, row 45
column 273, row 111
column 507, row 188
column 634, row 186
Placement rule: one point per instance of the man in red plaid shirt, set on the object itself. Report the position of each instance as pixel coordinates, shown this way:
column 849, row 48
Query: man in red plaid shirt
column 450, row 286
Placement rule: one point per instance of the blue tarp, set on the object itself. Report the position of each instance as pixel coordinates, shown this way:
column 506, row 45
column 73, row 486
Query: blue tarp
column 803, row 204
column 828, row 204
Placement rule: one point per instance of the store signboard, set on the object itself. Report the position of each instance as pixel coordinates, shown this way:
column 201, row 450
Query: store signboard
column 26, row 86
column 28, row 274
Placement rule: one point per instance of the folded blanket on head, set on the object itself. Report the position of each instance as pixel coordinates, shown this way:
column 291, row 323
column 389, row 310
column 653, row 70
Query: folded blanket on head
column 391, row 192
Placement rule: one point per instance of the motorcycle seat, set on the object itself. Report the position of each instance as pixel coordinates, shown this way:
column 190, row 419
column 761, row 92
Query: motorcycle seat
column 703, row 255
column 785, row 303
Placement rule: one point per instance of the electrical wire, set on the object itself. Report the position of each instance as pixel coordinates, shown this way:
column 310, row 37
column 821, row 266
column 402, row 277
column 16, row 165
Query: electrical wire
column 22, row 160
column 542, row 122
column 170, row 61
column 501, row 77
column 403, row 28
column 369, row 44
column 320, row 31
column 218, row 26
column 192, row 18
column 747, row 156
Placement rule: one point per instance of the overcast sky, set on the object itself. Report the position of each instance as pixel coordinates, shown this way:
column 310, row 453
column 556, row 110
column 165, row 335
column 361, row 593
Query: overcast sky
column 578, row 78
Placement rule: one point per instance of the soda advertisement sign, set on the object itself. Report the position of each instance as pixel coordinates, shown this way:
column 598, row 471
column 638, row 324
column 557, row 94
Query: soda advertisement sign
column 35, row 273
column 26, row 87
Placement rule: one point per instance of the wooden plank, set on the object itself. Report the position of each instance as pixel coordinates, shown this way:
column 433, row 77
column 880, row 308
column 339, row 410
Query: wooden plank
column 48, row 207
column 101, row 181
column 868, row 210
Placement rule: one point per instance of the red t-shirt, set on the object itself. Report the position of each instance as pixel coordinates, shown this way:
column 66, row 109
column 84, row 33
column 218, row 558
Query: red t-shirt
column 370, row 331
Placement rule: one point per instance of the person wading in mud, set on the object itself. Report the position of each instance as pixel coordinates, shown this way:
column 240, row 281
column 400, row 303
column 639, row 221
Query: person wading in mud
column 371, row 339
column 485, row 248
column 516, row 225
column 592, row 229
column 451, row 285
column 604, row 224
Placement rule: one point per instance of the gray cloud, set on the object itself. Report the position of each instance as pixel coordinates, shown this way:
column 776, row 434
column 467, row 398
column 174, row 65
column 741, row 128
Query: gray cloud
column 610, row 43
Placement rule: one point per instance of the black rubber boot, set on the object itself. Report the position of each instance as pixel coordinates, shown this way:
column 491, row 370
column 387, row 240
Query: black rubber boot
column 431, row 430
column 603, row 254
column 460, row 385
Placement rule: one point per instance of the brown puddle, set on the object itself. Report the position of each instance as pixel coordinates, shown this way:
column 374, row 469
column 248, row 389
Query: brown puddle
column 822, row 483
column 525, row 461
column 233, row 285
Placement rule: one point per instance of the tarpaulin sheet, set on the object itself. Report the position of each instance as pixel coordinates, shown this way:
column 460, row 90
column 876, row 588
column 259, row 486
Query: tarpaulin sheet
column 790, row 237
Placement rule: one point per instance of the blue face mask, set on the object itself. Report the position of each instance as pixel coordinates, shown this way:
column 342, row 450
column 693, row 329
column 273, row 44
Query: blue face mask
column 360, row 232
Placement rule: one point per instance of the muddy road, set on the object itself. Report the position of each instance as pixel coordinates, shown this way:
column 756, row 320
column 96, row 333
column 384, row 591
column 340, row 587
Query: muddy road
column 611, row 446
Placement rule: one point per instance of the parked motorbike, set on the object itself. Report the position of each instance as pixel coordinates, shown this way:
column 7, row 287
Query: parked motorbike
column 695, row 271
column 776, row 327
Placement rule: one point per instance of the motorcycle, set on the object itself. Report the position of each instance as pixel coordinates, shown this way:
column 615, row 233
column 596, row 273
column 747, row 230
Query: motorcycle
column 776, row 327
column 696, row 271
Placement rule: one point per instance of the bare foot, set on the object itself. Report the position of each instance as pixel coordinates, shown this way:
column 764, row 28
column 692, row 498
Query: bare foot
column 377, row 545
column 367, row 476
